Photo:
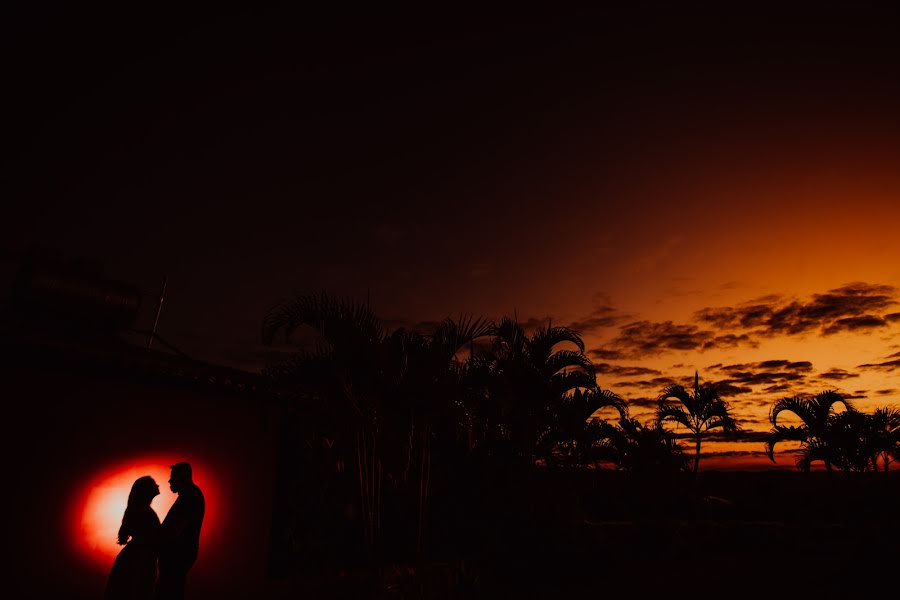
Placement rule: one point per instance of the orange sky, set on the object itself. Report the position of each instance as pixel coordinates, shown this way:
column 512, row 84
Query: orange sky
column 602, row 167
column 782, row 224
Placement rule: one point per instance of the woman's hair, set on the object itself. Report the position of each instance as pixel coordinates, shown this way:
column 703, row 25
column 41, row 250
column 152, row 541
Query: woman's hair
column 143, row 490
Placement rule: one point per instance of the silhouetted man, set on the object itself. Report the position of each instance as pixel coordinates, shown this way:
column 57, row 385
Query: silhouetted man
column 180, row 535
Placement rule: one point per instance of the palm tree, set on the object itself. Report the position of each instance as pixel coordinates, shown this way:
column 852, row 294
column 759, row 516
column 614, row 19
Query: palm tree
column 430, row 386
column 638, row 448
column 699, row 411
column 857, row 440
column 568, row 437
column 529, row 378
column 343, row 374
column 851, row 441
column 812, row 433
column 381, row 393
column 885, row 423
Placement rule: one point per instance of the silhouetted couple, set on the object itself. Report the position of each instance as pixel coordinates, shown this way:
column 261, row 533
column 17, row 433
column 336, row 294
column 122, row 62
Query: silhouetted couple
column 174, row 543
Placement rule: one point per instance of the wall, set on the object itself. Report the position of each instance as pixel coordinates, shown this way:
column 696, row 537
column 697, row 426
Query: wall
column 68, row 425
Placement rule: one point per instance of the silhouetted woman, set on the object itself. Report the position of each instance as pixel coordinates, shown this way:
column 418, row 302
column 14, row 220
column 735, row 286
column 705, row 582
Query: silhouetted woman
column 133, row 574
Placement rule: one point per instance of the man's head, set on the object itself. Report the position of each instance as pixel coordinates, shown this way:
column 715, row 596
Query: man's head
column 181, row 477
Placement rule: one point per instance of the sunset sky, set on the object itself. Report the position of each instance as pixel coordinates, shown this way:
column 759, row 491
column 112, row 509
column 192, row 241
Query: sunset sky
column 693, row 188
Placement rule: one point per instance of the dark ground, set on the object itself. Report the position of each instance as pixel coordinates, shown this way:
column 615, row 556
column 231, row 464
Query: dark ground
column 771, row 534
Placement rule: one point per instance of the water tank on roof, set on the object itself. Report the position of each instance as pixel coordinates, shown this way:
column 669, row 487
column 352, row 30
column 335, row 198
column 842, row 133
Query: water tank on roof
column 75, row 294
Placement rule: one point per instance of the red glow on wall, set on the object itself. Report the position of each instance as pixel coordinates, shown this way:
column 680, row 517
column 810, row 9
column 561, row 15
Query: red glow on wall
column 98, row 505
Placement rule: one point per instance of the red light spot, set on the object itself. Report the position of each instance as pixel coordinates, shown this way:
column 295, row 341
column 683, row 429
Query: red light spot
column 100, row 504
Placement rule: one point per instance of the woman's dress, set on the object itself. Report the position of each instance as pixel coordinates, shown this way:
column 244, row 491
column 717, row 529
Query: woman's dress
column 133, row 574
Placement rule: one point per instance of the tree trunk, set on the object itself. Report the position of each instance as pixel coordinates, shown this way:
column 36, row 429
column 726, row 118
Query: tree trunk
column 424, row 478
column 697, row 456
column 364, row 498
column 369, row 484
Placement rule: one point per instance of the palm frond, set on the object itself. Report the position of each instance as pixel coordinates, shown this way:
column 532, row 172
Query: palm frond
column 725, row 422
column 678, row 393
column 509, row 336
column 810, row 453
column 605, row 398
column 545, row 339
column 582, row 405
column 823, row 404
column 562, row 383
column 452, row 335
column 567, row 359
column 783, row 434
column 343, row 323
column 675, row 414
column 886, row 418
column 798, row 405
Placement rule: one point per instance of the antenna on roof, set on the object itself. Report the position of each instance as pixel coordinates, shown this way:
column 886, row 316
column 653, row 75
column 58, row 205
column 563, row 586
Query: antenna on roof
column 162, row 297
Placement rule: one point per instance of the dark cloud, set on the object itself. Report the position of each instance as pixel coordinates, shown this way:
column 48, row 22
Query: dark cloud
column 730, row 340
column 642, row 402
column 772, row 364
column 600, row 318
column 745, row 316
column 623, row 371
column 892, row 317
column 756, row 383
column 889, row 365
column 644, row 338
column 736, row 453
column 647, row 338
column 800, row 366
column 855, row 324
column 767, row 402
column 886, row 392
column 728, row 388
column 741, row 436
column 853, row 298
column 763, row 378
column 775, row 376
column 778, row 388
column 533, row 323
column 656, row 383
column 851, row 307
column 837, row 375
column 603, row 354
